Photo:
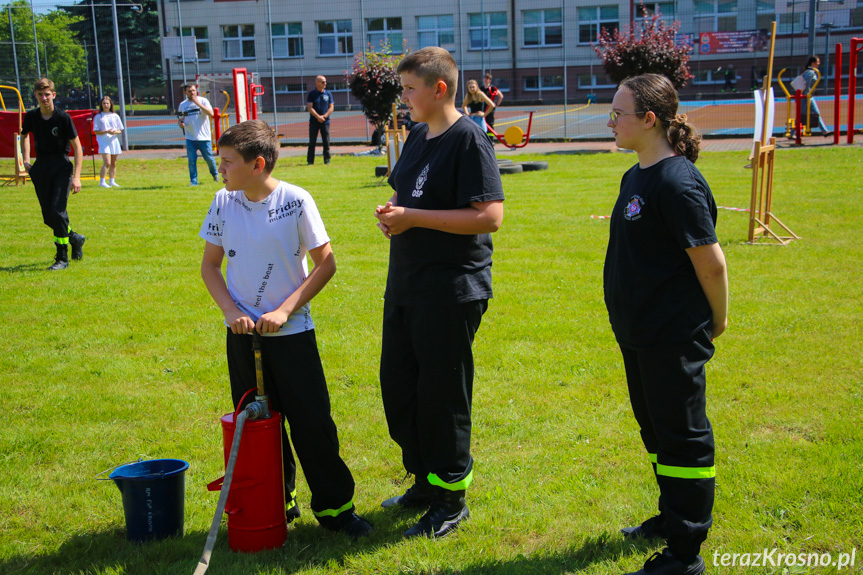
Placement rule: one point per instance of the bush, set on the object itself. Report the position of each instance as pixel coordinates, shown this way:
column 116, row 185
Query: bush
column 646, row 48
column 374, row 82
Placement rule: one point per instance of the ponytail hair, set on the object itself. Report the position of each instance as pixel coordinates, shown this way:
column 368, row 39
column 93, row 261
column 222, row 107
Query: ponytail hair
column 684, row 138
column 655, row 93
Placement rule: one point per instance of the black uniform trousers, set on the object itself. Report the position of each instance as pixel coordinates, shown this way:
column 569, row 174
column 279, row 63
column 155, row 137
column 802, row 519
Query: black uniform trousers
column 324, row 129
column 427, row 387
column 294, row 381
column 667, row 392
column 51, row 177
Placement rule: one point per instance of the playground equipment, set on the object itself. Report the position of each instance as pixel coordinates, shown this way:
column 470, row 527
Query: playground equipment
column 394, row 140
column 761, row 202
column 514, row 137
column 245, row 89
column 791, row 122
column 856, row 45
column 19, row 175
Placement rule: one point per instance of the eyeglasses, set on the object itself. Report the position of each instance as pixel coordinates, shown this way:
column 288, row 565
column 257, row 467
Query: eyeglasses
column 613, row 116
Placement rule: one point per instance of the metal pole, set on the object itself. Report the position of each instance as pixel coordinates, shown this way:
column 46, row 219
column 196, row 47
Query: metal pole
column 272, row 67
column 35, row 44
column 96, row 45
column 121, row 96
column 128, row 71
column 812, row 6
column 182, row 51
column 565, row 75
column 484, row 30
column 14, row 51
column 87, row 62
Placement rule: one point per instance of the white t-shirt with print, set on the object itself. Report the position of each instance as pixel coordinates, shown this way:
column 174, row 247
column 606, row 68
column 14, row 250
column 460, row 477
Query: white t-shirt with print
column 197, row 123
column 266, row 244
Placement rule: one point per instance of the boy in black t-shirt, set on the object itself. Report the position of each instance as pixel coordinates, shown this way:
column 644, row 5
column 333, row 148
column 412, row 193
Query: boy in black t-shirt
column 448, row 199
column 52, row 174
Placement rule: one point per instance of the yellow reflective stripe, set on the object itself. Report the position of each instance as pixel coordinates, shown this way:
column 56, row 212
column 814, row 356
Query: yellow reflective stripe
column 334, row 512
column 686, row 472
column 652, row 457
column 61, row 240
column 460, row 486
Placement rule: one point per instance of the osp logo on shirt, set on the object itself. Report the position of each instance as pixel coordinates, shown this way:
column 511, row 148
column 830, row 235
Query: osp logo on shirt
column 633, row 208
column 421, row 180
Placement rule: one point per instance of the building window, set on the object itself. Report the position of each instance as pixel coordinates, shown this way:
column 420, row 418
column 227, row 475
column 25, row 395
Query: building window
column 335, row 38
column 593, row 19
column 646, row 11
column 703, row 77
column 339, row 86
column 595, row 82
column 765, row 14
column 488, row 31
column 436, row 31
column 288, row 40
column 291, row 88
column 791, row 22
column 202, row 42
column 538, row 83
column 501, row 83
column 715, row 16
column 386, row 31
column 238, row 42
column 542, row 28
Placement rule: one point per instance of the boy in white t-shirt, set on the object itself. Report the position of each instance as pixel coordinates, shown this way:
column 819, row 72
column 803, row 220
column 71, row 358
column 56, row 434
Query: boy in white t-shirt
column 266, row 227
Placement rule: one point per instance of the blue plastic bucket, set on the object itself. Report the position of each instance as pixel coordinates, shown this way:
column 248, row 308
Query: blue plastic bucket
column 153, row 497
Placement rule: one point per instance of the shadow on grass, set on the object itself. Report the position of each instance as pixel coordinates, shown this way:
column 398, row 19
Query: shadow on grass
column 26, row 268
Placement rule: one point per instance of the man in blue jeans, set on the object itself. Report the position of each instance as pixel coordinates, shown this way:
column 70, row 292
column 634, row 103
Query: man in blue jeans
column 195, row 113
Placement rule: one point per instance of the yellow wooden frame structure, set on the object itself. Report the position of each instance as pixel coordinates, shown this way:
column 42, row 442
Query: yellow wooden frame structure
column 399, row 135
column 761, row 203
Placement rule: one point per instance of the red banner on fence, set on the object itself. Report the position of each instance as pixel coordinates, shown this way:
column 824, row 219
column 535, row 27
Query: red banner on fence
column 83, row 120
column 733, row 42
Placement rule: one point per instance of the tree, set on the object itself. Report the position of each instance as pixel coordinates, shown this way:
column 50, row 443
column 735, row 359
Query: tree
column 648, row 47
column 61, row 55
column 374, row 82
column 138, row 30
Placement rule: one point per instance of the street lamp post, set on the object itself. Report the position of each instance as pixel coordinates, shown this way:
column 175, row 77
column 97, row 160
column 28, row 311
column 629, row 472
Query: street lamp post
column 14, row 51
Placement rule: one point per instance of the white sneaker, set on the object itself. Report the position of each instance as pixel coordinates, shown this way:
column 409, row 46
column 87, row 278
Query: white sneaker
column 115, row 185
column 104, row 185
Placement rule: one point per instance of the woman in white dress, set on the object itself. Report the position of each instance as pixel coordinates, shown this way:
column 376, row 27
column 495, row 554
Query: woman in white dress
column 107, row 126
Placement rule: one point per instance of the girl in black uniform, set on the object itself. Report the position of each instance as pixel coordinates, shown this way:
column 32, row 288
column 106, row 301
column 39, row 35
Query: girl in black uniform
column 666, row 290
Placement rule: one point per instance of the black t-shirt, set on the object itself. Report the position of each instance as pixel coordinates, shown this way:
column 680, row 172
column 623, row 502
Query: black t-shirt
column 54, row 135
column 651, row 291
column 444, row 173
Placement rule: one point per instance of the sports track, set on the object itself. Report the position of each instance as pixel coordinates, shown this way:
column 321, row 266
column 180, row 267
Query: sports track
column 577, row 122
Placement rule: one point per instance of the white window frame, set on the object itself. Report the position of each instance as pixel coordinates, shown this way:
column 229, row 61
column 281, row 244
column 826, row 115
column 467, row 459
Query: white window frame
column 239, row 39
column 199, row 41
column 486, row 29
column 543, row 27
column 542, row 83
column 285, row 88
column 439, row 29
column 389, row 34
column 709, row 21
column 594, row 82
column 287, row 37
column 596, row 21
column 343, row 39
column 652, row 8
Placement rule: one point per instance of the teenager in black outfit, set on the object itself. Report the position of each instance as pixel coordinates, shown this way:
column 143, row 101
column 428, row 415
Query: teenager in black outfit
column 448, row 199
column 666, row 290
column 52, row 174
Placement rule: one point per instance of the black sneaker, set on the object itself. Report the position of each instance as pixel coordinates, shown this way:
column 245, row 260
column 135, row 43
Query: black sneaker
column 419, row 495
column 349, row 523
column 666, row 563
column 653, row 528
column 443, row 517
column 77, row 242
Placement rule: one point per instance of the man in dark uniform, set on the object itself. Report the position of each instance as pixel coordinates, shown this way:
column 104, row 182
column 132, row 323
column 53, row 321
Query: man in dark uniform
column 320, row 105
column 53, row 175
column 493, row 94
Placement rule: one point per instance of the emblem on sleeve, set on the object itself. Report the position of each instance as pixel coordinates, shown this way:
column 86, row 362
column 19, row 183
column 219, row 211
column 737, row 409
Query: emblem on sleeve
column 633, row 208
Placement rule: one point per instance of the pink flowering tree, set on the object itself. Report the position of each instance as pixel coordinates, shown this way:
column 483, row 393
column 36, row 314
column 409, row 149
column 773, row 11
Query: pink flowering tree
column 374, row 82
column 647, row 47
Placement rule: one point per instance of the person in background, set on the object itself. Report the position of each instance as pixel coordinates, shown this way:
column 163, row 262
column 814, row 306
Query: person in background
column 320, row 105
column 107, row 126
column 810, row 75
column 195, row 113
column 475, row 104
column 493, row 94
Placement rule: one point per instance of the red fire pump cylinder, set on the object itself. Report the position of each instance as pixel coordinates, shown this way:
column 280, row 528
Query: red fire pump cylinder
column 256, row 501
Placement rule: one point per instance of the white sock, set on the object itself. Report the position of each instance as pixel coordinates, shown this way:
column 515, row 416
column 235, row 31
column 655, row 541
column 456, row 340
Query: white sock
column 112, row 181
column 101, row 181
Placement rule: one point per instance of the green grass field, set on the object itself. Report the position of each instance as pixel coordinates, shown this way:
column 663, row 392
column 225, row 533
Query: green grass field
column 122, row 356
